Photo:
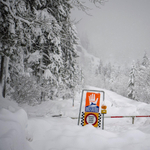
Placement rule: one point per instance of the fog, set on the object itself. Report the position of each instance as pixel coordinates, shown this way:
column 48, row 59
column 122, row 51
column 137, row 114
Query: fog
column 117, row 32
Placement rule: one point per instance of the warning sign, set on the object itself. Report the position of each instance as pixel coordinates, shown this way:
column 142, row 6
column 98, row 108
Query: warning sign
column 91, row 118
column 91, row 114
column 92, row 102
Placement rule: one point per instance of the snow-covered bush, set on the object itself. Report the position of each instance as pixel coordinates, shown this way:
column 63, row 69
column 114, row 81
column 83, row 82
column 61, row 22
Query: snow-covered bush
column 24, row 89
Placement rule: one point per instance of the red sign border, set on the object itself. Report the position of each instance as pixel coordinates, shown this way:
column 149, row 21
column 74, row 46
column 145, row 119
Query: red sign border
column 94, row 116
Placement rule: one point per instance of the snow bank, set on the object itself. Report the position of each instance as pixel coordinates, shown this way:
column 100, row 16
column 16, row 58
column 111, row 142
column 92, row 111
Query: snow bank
column 54, row 107
column 13, row 121
column 63, row 133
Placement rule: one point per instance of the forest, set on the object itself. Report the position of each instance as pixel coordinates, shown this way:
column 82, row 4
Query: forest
column 39, row 53
column 130, row 81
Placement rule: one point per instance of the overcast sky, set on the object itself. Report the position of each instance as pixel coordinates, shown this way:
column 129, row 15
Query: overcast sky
column 119, row 31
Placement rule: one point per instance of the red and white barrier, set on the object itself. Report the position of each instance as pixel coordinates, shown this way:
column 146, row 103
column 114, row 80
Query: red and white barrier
column 127, row 117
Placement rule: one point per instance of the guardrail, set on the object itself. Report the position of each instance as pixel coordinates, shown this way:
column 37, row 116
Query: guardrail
column 133, row 117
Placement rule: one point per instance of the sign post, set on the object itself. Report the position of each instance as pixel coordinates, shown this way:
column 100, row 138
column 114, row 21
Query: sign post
column 92, row 105
column 103, row 111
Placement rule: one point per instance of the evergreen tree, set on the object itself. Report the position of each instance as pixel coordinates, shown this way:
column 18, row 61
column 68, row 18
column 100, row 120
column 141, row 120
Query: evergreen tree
column 143, row 85
column 131, row 86
column 145, row 61
column 40, row 41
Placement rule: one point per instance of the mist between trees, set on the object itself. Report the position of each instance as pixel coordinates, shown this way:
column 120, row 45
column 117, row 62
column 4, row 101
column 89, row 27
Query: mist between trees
column 38, row 48
column 132, row 82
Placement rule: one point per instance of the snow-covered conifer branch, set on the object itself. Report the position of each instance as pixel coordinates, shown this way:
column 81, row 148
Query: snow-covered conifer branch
column 14, row 16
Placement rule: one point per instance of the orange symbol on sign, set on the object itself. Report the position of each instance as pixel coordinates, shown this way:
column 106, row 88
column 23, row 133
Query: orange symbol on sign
column 92, row 102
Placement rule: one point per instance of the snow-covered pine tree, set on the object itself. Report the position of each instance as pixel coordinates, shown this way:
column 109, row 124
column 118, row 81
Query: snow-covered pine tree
column 41, row 45
column 17, row 21
column 131, row 86
column 143, row 86
column 145, row 61
column 68, row 41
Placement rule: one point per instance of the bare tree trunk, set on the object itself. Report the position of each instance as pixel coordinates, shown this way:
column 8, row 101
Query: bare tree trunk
column 6, row 62
column 42, row 92
column 1, row 74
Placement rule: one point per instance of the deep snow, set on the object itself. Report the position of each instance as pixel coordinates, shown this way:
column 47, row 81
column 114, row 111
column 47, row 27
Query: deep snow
column 13, row 123
column 40, row 131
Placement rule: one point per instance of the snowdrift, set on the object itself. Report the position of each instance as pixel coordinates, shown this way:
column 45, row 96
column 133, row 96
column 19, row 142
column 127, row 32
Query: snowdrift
column 41, row 131
column 13, row 122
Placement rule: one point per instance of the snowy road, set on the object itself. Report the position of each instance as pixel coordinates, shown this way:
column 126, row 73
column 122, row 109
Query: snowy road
column 44, row 132
column 62, row 133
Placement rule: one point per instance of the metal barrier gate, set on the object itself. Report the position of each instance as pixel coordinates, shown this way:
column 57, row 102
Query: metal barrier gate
column 133, row 117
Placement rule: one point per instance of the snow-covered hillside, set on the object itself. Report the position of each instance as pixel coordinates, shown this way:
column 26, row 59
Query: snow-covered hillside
column 86, row 58
column 41, row 131
column 88, row 64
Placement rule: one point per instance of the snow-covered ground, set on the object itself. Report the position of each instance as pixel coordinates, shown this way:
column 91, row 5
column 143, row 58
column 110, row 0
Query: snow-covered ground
column 34, row 128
